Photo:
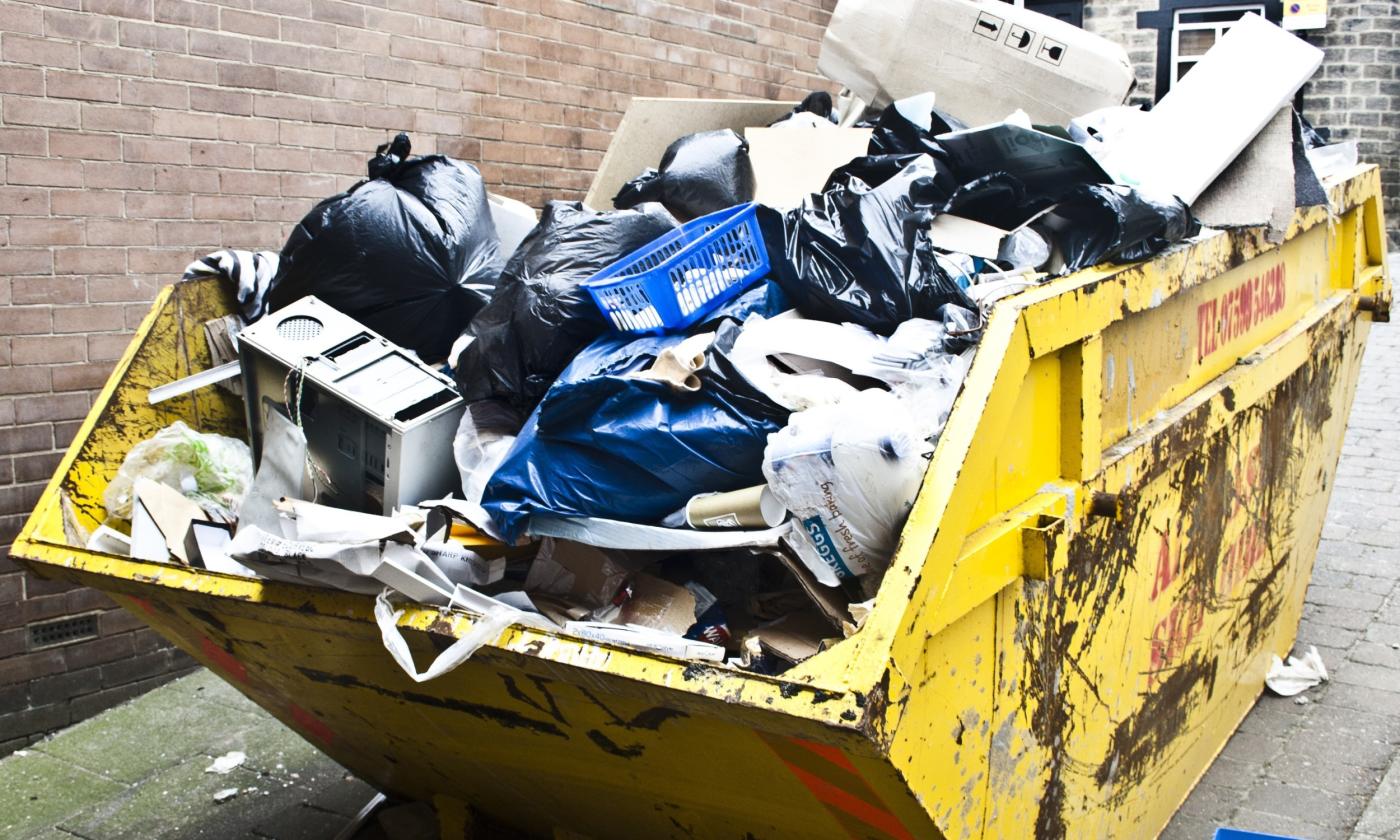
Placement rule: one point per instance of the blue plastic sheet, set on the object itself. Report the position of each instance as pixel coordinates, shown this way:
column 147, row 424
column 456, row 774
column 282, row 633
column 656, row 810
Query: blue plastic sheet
column 602, row 444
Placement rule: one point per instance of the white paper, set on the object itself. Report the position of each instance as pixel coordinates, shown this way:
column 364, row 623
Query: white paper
column 645, row 638
column 609, row 533
column 1298, row 675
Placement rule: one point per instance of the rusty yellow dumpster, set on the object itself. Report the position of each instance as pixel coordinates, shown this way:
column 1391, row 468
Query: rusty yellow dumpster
column 1113, row 538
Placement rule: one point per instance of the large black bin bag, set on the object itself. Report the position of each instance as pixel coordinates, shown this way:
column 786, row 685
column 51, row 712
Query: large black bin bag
column 411, row 252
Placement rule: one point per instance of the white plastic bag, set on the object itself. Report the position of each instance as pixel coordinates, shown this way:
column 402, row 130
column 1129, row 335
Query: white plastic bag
column 485, row 436
column 849, row 474
column 213, row 470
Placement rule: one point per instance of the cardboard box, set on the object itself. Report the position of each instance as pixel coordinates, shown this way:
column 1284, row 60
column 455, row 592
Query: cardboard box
column 981, row 60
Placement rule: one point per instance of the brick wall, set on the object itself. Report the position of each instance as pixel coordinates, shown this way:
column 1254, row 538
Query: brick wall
column 1356, row 92
column 136, row 135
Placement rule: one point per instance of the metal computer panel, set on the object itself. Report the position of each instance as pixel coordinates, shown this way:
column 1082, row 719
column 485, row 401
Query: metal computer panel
column 379, row 424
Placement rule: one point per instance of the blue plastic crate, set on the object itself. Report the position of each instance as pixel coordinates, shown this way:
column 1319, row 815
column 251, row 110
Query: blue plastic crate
column 686, row 274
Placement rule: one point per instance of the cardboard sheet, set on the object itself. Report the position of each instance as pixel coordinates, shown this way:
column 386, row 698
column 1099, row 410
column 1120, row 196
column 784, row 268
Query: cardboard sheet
column 1210, row 116
column 651, row 124
column 1258, row 187
column 789, row 164
column 160, row 519
column 983, row 60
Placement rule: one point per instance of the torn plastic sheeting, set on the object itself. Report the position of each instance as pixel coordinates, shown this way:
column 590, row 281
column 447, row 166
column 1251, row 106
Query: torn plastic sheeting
column 483, row 438
column 1297, row 675
column 916, row 353
column 605, row 444
column 539, row 317
column 1110, row 223
column 854, row 253
column 486, row 628
column 410, row 253
column 699, row 174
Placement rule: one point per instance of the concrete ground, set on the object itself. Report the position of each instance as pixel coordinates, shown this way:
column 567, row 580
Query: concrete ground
column 1329, row 768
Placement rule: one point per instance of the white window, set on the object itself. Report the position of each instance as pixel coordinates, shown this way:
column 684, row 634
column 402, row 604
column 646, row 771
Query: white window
column 1196, row 30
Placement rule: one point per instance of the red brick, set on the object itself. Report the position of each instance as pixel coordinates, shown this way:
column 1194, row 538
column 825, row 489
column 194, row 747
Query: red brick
column 45, row 172
column 19, row 439
column 235, row 75
column 182, row 179
column 253, row 236
column 186, row 68
column 50, row 290
column 247, row 129
column 280, row 54
column 67, row 84
column 231, row 102
column 215, row 45
column 116, row 175
column 23, row 380
column 184, row 124
column 309, row 32
column 22, row 80
column 116, row 118
column 32, row 231
column 241, row 182
column 84, row 377
column 56, row 406
column 305, row 84
column 335, row 11
column 157, row 206
column 26, row 320
column 88, row 203
column 148, row 36
column 41, row 467
column 24, row 141
column 249, row 23
column 137, row 9
column 204, row 234
column 30, row 666
column 154, row 150
column 221, row 207
column 107, row 347
column 124, row 288
column 116, row 60
column 76, row 26
column 126, row 232
column 44, row 52
column 85, row 261
column 17, row 18
column 20, row 110
column 187, row 14
column 76, row 144
column 160, row 261
column 48, row 349
column 284, row 159
column 24, row 201
column 158, row 94
column 97, row 318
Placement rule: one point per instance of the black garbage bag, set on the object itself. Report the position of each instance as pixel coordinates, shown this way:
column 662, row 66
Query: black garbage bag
column 1116, row 224
column 874, row 170
column 909, row 126
column 540, row 317
column 700, row 174
column 410, row 253
column 606, row 444
column 817, row 103
column 854, row 253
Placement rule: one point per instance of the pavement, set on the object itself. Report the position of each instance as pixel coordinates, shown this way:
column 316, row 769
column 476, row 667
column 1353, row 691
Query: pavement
column 1326, row 768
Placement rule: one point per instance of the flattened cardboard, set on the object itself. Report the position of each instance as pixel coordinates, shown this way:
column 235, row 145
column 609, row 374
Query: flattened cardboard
column 161, row 514
column 1211, row 114
column 790, row 164
column 983, row 60
column 659, row 605
column 651, row 124
column 794, row 637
